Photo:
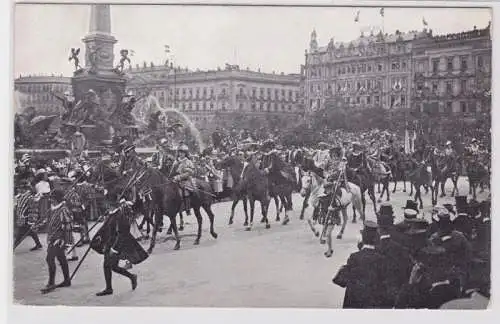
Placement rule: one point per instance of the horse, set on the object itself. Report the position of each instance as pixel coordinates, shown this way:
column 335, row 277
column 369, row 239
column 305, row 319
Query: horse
column 443, row 168
column 314, row 184
column 382, row 174
column 420, row 176
column 167, row 199
column 282, row 181
column 477, row 173
column 365, row 180
column 255, row 185
column 400, row 168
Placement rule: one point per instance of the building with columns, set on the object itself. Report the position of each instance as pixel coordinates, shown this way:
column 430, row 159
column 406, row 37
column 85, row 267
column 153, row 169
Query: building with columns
column 453, row 72
column 36, row 91
column 208, row 96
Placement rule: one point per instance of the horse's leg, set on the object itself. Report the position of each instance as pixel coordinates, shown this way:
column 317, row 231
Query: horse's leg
column 181, row 226
column 412, row 184
column 378, row 187
column 395, row 183
column 233, row 207
column 252, row 209
column 310, row 221
column 211, row 217
column 169, row 231
column 277, row 203
column 244, row 200
column 176, row 232
column 371, row 193
column 199, row 220
column 305, row 204
column 157, row 213
column 288, row 207
column 363, row 203
column 344, row 223
column 329, row 230
column 353, row 214
column 443, row 183
column 264, row 205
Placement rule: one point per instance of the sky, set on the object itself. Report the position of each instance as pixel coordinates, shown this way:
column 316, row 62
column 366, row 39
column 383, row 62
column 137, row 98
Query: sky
column 207, row 37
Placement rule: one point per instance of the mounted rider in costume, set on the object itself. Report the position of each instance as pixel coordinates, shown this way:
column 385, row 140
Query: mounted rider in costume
column 356, row 164
column 450, row 156
column 273, row 165
column 183, row 169
column 164, row 158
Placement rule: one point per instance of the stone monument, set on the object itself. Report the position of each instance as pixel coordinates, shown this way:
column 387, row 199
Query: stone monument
column 98, row 86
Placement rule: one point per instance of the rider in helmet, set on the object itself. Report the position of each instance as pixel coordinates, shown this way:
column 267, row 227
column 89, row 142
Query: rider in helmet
column 184, row 170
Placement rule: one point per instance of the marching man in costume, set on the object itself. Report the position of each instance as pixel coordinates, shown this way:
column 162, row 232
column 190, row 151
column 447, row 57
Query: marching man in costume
column 116, row 243
column 58, row 225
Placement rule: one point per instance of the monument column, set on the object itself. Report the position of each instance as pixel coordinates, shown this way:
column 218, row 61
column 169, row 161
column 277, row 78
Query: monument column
column 99, row 73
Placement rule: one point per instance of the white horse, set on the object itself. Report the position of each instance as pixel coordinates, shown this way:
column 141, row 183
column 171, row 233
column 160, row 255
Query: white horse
column 343, row 198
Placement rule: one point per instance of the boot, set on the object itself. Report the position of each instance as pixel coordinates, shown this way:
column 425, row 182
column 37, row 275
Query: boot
column 105, row 292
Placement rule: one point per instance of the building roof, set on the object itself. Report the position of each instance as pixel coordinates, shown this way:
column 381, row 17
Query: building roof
column 43, row 79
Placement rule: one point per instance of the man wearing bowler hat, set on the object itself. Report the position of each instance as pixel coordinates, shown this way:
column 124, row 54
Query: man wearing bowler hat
column 429, row 285
column 457, row 247
column 396, row 264
column 363, row 275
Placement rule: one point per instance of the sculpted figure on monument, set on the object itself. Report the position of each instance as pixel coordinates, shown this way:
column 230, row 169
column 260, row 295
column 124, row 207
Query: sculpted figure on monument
column 68, row 103
column 92, row 57
column 85, row 110
column 124, row 58
column 74, row 57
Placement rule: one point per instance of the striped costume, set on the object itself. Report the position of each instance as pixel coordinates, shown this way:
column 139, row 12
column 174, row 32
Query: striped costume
column 88, row 195
column 59, row 226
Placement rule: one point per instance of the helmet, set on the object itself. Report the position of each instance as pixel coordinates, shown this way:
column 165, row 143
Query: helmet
column 183, row 148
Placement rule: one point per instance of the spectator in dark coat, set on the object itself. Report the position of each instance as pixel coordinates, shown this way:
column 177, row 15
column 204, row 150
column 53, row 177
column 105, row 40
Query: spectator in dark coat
column 363, row 276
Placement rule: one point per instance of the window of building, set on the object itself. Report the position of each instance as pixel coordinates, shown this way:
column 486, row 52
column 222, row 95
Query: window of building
column 241, row 106
column 463, row 106
column 290, row 94
column 358, row 86
column 254, row 92
column 289, row 107
column 223, row 91
column 183, row 91
column 348, row 69
column 262, row 106
column 223, row 106
column 369, row 68
column 276, row 106
column 253, row 106
column 204, row 105
column 395, row 66
column 463, row 85
column 269, row 93
column 434, row 87
column 435, row 66
column 211, row 105
column 449, row 87
column 463, row 63
column 449, row 64
column 241, row 91
column 480, row 62
column 211, row 92
column 380, row 67
column 449, row 107
column 204, row 92
column 358, row 100
column 403, row 101
column 190, row 106
column 369, row 100
column 197, row 106
column 197, row 93
column 403, row 65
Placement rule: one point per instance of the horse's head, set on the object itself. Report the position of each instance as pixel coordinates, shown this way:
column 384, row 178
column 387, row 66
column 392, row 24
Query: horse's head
column 306, row 183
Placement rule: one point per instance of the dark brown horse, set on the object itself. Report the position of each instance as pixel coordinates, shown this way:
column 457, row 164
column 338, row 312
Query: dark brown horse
column 235, row 166
column 444, row 167
column 167, row 199
column 282, row 181
column 421, row 176
column 477, row 173
column 255, row 184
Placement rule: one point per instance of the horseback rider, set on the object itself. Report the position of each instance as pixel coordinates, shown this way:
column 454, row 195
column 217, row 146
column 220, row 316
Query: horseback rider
column 322, row 156
column 164, row 158
column 356, row 164
column 183, row 169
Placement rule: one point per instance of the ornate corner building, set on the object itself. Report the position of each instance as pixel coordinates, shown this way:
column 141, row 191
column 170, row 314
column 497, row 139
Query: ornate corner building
column 413, row 70
column 35, row 91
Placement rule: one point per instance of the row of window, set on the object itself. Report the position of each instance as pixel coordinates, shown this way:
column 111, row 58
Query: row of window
column 241, row 106
column 31, row 88
column 448, row 86
column 463, row 107
column 396, row 101
column 394, row 66
column 368, row 84
column 203, row 93
column 453, row 63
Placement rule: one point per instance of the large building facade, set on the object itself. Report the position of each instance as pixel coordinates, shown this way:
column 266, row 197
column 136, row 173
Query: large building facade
column 207, row 96
column 453, row 72
column 372, row 71
column 414, row 70
column 36, row 91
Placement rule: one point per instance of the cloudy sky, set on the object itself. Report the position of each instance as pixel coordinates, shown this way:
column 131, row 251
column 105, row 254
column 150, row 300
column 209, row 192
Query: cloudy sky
column 205, row 37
